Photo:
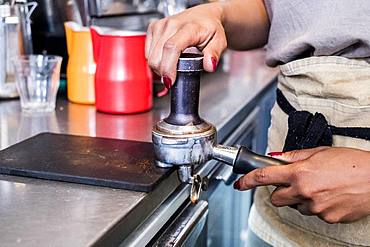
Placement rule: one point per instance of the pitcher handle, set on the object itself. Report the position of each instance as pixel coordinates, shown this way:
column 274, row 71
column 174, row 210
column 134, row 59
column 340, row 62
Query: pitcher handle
column 95, row 36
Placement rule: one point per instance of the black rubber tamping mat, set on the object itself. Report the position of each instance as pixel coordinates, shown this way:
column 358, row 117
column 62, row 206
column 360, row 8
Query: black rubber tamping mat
column 105, row 162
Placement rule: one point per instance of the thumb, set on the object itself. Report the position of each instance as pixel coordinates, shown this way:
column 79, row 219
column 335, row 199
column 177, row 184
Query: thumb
column 297, row 155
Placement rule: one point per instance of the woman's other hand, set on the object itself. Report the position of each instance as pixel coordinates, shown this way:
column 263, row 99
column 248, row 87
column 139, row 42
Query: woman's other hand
column 332, row 183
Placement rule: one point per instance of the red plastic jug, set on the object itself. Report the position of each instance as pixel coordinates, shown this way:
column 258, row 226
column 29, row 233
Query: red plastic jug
column 123, row 80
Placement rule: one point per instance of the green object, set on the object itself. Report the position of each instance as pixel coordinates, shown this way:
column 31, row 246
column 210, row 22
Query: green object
column 62, row 86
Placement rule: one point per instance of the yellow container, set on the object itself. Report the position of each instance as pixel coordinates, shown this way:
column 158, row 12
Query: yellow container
column 81, row 66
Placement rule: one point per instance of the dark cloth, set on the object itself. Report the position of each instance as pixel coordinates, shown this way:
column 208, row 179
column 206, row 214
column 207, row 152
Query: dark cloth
column 308, row 130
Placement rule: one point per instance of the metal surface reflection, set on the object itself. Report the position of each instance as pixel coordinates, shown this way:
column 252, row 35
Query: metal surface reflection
column 34, row 123
column 38, row 213
column 129, row 127
column 81, row 119
column 15, row 125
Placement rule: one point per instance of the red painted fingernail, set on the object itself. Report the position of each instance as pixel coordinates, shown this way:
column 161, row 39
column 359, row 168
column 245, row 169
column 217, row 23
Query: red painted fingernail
column 214, row 63
column 275, row 153
column 167, row 82
column 237, row 185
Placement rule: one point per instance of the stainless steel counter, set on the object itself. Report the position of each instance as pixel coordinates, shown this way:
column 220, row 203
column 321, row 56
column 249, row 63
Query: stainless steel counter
column 46, row 213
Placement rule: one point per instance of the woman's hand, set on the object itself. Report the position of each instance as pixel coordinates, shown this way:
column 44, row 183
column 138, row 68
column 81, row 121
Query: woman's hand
column 167, row 38
column 332, row 183
column 209, row 27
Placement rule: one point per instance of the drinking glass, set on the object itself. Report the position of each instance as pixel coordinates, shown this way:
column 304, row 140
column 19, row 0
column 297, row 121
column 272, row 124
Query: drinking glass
column 37, row 79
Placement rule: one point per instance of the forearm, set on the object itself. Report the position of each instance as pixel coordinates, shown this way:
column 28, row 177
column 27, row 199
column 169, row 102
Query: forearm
column 246, row 23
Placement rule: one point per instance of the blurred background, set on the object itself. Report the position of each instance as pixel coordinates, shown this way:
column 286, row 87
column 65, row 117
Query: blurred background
column 49, row 17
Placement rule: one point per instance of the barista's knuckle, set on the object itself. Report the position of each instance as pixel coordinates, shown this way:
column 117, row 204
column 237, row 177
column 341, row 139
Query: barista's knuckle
column 215, row 26
column 193, row 30
column 303, row 190
column 299, row 173
column 171, row 46
column 154, row 64
column 293, row 155
column 275, row 200
column 331, row 218
column 223, row 43
column 190, row 26
column 156, row 26
column 316, row 208
column 261, row 175
column 171, row 23
column 315, row 205
column 151, row 26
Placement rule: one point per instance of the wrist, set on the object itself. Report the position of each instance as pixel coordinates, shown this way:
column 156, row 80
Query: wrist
column 220, row 6
column 217, row 8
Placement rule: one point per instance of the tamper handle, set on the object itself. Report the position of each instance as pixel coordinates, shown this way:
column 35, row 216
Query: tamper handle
column 185, row 91
column 246, row 161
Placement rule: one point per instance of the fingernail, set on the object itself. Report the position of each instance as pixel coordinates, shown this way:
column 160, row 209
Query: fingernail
column 167, row 82
column 214, row 63
column 237, row 185
column 275, row 154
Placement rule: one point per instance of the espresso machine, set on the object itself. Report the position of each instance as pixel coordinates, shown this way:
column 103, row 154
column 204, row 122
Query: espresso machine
column 132, row 15
column 185, row 140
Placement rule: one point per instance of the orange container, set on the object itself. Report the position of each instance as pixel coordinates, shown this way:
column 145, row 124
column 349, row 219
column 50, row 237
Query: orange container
column 81, row 65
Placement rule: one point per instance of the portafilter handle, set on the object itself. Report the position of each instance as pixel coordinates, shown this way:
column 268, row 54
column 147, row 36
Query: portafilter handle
column 242, row 159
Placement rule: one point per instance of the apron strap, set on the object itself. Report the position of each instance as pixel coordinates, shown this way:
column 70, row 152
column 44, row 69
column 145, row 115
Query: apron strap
column 307, row 130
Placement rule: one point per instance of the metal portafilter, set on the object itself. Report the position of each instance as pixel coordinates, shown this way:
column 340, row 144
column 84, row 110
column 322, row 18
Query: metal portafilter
column 184, row 139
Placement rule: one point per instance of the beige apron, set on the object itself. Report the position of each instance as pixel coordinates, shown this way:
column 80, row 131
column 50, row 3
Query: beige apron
column 339, row 88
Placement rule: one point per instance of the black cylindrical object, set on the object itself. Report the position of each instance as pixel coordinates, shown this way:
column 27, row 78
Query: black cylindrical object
column 185, row 91
column 246, row 161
